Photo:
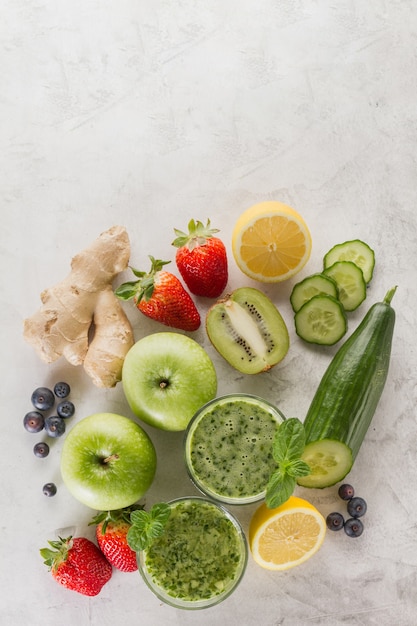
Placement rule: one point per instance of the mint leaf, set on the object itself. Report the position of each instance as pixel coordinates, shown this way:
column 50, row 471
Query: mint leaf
column 280, row 487
column 287, row 448
column 137, row 535
column 289, row 441
column 147, row 526
column 160, row 513
column 298, row 468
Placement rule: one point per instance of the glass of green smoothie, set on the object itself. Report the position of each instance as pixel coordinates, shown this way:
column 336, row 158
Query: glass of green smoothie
column 199, row 559
column 228, row 447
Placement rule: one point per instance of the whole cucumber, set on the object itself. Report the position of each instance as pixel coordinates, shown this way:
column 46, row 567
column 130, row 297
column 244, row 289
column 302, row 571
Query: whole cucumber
column 347, row 396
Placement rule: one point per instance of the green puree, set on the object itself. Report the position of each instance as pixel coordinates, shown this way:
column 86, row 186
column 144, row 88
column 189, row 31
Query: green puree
column 198, row 555
column 231, row 449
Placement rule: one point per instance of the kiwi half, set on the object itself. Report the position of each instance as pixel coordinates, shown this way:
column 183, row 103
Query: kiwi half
column 248, row 331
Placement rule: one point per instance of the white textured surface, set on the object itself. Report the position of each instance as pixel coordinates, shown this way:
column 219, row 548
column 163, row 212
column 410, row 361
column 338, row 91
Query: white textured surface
column 147, row 114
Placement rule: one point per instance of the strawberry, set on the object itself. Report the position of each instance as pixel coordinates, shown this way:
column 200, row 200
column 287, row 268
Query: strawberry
column 201, row 259
column 111, row 533
column 161, row 296
column 77, row 564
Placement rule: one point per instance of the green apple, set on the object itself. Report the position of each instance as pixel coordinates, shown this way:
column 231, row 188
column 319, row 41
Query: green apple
column 108, row 461
column 166, row 377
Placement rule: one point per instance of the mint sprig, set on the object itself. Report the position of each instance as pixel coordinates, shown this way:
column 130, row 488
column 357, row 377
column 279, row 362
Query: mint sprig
column 147, row 526
column 287, row 448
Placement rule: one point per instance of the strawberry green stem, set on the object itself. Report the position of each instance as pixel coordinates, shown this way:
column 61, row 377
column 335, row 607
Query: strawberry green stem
column 197, row 235
column 143, row 288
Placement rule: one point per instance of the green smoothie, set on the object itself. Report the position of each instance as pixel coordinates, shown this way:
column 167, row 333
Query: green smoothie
column 199, row 558
column 228, row 447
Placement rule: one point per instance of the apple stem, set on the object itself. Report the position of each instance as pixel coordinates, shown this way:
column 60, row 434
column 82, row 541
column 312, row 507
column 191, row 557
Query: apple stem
column 109, row 459
column 163, row 384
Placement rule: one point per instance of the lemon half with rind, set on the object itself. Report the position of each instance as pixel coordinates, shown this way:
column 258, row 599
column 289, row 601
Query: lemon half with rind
column 271, row 242
column 286, row 536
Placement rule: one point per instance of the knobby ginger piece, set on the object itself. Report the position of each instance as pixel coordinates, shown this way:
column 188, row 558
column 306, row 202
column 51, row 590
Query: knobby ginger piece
column 81, row 318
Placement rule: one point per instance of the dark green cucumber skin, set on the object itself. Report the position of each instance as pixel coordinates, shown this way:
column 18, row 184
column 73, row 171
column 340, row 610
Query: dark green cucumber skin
column 348, row 394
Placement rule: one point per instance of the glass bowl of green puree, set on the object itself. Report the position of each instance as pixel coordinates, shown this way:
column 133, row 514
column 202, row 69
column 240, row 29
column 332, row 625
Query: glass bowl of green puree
column 199, row 559
column 228, row 447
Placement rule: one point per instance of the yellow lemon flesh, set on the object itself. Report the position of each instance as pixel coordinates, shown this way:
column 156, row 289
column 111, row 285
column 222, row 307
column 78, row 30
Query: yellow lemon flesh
column 271, row 242
column 286, row 536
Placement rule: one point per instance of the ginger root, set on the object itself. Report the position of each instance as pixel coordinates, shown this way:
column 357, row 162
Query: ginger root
column 81, row 318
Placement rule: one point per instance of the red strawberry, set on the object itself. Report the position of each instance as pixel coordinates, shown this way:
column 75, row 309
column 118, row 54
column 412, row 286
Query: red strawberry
column 111, row 533
column 201, row 259
column 161, row 296
column 77, row 564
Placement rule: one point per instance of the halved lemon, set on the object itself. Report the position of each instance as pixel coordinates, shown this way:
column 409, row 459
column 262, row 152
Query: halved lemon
column 286, row 536
column 271, row 242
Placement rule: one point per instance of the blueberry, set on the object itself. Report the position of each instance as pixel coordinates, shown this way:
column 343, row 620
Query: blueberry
column 353, row 527
column 43, row 399
column 335, row 521
column 356, row 507
column 34, row 422
column 346, row 492
column 54, row 426
column 65, row 409
column 62, row 390
column 41, row 449
column 49, row 489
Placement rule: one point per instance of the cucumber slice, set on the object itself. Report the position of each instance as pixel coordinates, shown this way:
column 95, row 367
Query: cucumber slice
column 356, row 251
column 311, row 286
column 329, row 460
column 350, row 282
column 321, row 320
